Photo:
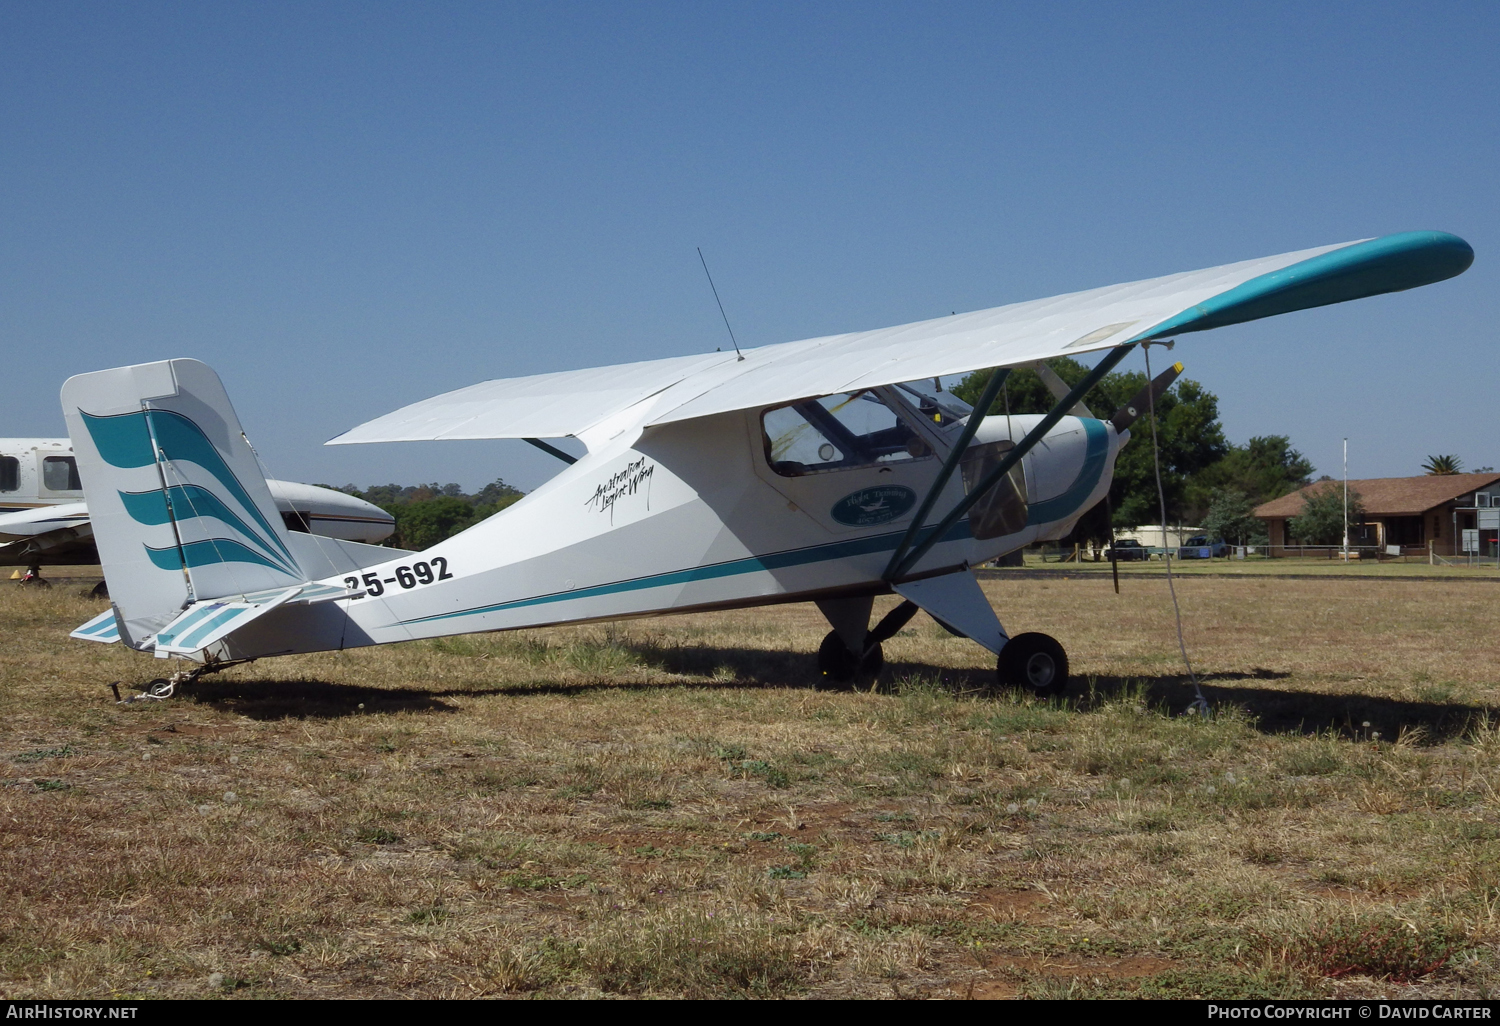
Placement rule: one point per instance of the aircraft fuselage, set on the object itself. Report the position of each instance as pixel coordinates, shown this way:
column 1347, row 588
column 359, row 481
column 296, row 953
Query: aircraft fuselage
column 691, row 516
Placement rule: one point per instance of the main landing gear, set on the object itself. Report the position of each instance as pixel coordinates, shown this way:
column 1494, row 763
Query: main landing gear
column 850, row 655
column 33, row 578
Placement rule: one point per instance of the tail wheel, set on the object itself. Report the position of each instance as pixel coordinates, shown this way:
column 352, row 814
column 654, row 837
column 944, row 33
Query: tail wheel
column 1035, row 662
column 842, row 668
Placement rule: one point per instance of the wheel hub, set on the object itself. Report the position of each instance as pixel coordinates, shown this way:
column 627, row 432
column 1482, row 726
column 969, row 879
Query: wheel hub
column 1040, row 670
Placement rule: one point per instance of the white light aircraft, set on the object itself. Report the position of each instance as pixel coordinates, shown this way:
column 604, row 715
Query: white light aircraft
column 45, row 522
column 807, row 471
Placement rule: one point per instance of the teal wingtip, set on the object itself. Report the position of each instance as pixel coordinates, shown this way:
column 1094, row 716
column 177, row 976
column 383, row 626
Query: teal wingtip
column 1391, row 263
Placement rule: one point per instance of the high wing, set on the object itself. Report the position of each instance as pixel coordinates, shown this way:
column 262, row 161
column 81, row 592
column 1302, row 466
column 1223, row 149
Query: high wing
column 681, row 388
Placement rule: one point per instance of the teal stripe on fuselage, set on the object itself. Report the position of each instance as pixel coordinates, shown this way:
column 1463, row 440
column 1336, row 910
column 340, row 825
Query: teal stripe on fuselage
column 1096, row 453
column 732, row 568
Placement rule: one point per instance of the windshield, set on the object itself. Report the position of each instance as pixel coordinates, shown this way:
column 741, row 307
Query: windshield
column 836, row 432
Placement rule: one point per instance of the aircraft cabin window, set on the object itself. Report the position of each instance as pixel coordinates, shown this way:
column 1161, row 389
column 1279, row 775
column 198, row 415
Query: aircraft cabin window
column 10, row 474
column 60, row 474
column 836, row 432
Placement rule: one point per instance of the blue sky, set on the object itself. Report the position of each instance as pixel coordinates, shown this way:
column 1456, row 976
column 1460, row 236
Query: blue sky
column 347, row 207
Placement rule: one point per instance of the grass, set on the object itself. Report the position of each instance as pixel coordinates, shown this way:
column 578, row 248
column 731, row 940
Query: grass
column 670, row 808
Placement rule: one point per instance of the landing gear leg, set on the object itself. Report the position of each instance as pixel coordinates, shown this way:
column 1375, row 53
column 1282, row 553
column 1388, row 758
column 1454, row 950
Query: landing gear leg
column 844, row 655
column 843, row 666
column 33, row 578
column 1035, row 662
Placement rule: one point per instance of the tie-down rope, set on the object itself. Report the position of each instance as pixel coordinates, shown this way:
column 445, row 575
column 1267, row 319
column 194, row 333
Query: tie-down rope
column 1200, row 704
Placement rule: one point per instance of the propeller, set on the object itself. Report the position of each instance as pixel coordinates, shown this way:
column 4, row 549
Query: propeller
column 1126, row 415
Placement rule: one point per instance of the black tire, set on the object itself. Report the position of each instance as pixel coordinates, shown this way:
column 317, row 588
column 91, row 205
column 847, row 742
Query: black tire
column 101, row 591
column 841, row 668
column 1035, row 662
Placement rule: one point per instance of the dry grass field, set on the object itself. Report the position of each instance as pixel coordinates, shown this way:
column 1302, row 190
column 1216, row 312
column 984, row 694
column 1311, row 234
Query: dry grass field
column 669, row 807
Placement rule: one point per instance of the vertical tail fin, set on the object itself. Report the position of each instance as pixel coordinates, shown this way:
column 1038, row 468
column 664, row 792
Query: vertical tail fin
column 179, row 506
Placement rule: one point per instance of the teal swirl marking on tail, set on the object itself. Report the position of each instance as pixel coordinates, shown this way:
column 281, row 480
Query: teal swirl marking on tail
column 124, row 440
column 206, row 553
column 188, row 501
column 181, row 439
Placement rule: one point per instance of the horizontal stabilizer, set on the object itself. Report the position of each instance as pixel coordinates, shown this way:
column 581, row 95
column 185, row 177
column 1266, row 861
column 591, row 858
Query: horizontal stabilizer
column 102, row 628
column 322, row 557
column 204, row 623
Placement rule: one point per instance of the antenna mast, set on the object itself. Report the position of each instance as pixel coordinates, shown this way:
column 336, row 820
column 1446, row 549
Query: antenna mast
column 721, row 304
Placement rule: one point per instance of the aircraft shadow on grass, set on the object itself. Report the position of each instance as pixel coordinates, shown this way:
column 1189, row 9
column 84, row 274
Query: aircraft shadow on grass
column 1277, row 711
column 1271, row 710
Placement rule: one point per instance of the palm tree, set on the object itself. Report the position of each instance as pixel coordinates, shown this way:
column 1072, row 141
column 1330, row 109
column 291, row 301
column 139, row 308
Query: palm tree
column 1443, row 465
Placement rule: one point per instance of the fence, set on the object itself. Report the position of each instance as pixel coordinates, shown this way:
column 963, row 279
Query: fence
column 1051, row 553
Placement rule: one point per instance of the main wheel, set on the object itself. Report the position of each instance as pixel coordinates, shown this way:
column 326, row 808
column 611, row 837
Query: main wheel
column 843, row 668
column 1035, row 662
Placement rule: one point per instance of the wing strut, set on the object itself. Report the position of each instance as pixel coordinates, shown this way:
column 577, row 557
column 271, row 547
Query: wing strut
column 551, row 450
column 899, row 566
column 982, row 407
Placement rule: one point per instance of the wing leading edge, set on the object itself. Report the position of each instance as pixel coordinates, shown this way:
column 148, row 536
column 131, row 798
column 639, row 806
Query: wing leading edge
column 682, row 388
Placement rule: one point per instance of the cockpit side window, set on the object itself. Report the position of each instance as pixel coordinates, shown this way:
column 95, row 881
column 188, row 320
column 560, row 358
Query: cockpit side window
column 60, row 474
column 836, row 432
column 10, row 474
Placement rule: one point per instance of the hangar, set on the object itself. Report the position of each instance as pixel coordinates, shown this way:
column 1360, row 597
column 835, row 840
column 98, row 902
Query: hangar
column 1404, row 512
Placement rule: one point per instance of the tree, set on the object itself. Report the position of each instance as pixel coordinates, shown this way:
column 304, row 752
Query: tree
column 1321, row 521
column 1264, row 468
column 1443, row 465
column 1190, row 440
column 1025, row 393
column 426, row 514
column 422, row 524
column 1231, row 516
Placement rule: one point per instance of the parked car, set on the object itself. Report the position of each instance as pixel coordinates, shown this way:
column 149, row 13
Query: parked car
column 1201, row 548
column 1127, row 549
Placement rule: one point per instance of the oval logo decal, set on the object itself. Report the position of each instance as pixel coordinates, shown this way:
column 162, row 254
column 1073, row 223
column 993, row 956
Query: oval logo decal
column 878, row 505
